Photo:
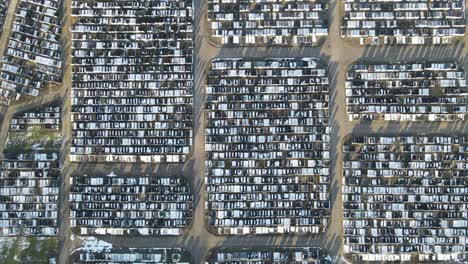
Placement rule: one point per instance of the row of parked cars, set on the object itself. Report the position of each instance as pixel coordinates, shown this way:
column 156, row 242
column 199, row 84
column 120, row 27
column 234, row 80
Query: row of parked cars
column 129, row 205
column 403, row 22
column 29, row 190
column 268, row 22
column 3, row 12
column 305, row 22
column 267, row 146
column 29, row 180
column 406, row 91
column 33, row 56
column 132, row 81
column 95, row 252
column 48, row 117
column 111, row 254
column 279, row 255
column 405, row 198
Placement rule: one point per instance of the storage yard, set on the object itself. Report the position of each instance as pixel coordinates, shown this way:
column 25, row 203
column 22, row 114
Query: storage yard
column 132, row 84
column 131, row 255
column 420, row 91
column 3, row 11
column 267, row 146
column 405, row 198
column 29, row 181
column 118, row 57
column 268, row 22
column 285, row 255
column 123, row 205
column 33, row 55
column 403, row 22
column 46, row 117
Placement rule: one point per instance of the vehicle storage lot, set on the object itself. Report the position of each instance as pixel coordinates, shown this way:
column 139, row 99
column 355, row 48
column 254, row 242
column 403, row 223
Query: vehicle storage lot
column 99, row 252
column 33, row 57
column 403, row 22
column 283, row 255
column 272, row 22
column 405, row 198
column 129, row 205
column 132, row 81
column 267, row 146
column 336, row 53
column 418, row 91
column 30, row 175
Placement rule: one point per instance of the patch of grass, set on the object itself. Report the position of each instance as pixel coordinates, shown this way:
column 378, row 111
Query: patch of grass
column 10, row 252
column 16, row 145
column 39, row 251
column 35, row 251
column 35, row 139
